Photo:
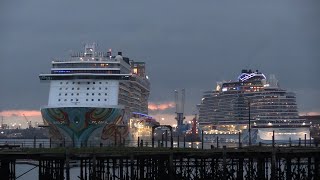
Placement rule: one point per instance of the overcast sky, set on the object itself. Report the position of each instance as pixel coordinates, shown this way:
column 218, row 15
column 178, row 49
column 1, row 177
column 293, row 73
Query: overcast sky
column 185, row 44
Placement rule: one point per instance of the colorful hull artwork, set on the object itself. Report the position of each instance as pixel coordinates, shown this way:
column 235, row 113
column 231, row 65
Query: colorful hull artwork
column 86, row 126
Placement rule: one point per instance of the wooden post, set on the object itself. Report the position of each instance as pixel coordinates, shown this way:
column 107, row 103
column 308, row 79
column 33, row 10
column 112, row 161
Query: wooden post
column 272, row 138
column 239, row 139
column 202, row 139
column 217, row 141
column 305, row 140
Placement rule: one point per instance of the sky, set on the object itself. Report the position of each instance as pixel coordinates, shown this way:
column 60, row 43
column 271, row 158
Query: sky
column 185, row 44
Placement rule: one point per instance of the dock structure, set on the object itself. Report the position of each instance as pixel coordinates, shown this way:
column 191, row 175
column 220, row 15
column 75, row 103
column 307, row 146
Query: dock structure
column 163, row 163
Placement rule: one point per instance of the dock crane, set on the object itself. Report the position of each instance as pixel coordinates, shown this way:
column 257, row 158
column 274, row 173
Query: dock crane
column 28, row 122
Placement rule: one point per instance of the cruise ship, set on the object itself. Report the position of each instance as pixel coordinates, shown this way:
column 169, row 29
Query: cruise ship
column 92, row 97
column 255, row 102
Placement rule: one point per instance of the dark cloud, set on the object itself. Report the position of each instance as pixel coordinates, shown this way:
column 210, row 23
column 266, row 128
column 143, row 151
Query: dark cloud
column 185, row 44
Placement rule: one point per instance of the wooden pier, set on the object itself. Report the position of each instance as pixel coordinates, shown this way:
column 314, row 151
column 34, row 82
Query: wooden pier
column 162, row 163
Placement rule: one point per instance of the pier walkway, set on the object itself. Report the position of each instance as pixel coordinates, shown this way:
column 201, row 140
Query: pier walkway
column 104, row 163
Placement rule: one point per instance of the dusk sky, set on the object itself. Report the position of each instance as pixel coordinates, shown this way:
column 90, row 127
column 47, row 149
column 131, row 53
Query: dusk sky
column 185, row 44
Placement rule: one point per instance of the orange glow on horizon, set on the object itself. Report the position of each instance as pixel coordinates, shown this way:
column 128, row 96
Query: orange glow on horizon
column 10, row 113
column 162, row 106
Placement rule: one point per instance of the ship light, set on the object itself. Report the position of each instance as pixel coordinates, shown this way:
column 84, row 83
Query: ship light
column 269, row 124
column 303, row 123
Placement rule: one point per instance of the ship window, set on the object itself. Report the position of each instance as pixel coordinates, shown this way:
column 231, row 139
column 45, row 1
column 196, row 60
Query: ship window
column 87, row 94
column 99, row 88
column 71, row 94
column 93, row 88
column 88, row 82
column 59, row 99
column 106, row 82
column 60, row 82
column 66, row 94
column 106, row 88
column 88, row 88
column 72, row 88
column 71, row 99
column 60, row 88
column 105, row 99
column 105, row 93
column 72, row 82
column 98, row 99
column 86, row 99
column 77, row 99
column 92, row 99
column 99, row 82
column 67, row 82
column 78, row 82
column 94, row 82
column 99, row 94
column 65, row 99
column 59, row 94
column 77, row 94
column 66, row 88
column 78, row 88
column 92, row 94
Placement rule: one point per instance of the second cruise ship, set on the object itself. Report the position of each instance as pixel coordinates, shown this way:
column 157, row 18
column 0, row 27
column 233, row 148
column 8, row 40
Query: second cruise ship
column 92, row 96
column 254, row 106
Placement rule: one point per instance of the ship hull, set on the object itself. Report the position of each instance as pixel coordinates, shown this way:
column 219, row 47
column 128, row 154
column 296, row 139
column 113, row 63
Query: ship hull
column 86, row 126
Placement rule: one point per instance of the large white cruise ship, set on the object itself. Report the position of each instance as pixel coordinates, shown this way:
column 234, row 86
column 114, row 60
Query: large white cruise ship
column 252, row 101
column 92, row 96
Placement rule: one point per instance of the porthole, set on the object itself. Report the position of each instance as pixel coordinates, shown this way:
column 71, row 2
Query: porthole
column 71, row 99
column 60, row 88
column 66, row 94
column 94, row 82
column 93, row 88
column 88, row 82
column 92, row 99
column 78, row 82
column 99, row 94
column 88, row 88
column 65, row 99
column 86, row 99
column 99, row 82
column 98, row 99
column 77, row 99
column 106, row 88
column 78, row 88
column 72, row 88
column 59, row 99
column 99, row 88
column 77, row 94
column 92, row 94
column 87, row 94
column 71, row 94
column 67, row 82
column 105, row 99
column 105, row 93
column 59, row 94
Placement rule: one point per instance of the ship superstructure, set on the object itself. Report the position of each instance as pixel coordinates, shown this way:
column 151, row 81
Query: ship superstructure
column 93, row 94
column 253, row 101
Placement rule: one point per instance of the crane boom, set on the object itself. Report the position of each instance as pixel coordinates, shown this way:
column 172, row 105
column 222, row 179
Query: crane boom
column 28, row 122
